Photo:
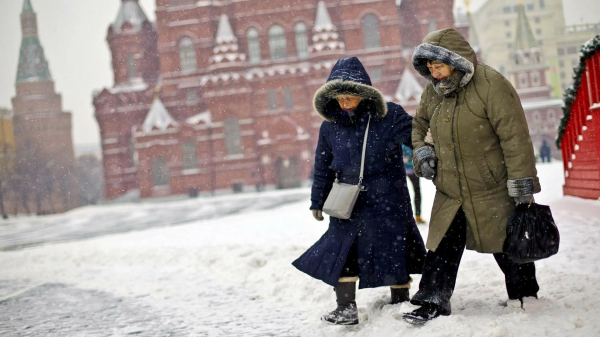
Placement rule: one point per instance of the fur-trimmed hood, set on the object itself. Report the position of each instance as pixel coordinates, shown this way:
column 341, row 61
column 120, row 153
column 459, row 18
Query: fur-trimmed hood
column 448, row 47
column 348, row 77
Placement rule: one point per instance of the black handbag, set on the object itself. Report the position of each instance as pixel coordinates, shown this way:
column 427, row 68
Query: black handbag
column 531, row 234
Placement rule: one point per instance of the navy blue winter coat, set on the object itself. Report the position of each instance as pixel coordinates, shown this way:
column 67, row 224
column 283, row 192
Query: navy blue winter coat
column 389, row 244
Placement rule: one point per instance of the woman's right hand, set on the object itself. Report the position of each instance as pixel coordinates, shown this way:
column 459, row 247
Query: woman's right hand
column 317, row 214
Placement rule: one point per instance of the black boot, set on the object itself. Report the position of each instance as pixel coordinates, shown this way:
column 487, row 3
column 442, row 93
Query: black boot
column 346, row 312
column 399, row 295
column 424, row 314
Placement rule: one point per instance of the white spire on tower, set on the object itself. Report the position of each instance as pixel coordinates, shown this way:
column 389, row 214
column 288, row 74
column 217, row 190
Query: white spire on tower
column 158, row 117
column 224, row 32
column 323, row 20
column 408, row 88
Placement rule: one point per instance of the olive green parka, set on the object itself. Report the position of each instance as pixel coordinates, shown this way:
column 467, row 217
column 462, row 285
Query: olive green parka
column 481, row 141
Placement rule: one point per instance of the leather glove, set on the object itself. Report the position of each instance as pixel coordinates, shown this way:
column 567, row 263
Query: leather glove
column 426, row 157
column 524, row 199
column 317, row 214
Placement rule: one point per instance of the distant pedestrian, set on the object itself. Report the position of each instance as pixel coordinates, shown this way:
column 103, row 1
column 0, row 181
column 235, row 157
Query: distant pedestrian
column 407, row 156
column 380, row 243
column 545, row 152
column 481, row 162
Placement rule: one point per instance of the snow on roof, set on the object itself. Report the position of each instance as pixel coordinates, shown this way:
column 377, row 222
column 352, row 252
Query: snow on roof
column 131, row 12
column 408, row 88
column 530, row 105
column 205, row 117
column 158, row 117
column 323, row 21
column 224, row 32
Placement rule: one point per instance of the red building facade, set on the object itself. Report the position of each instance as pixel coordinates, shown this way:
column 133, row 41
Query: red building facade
column 218, row 95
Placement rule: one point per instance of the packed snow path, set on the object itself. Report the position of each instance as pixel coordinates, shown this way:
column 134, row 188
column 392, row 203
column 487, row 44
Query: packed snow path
column 88, row 222
column 231, row 276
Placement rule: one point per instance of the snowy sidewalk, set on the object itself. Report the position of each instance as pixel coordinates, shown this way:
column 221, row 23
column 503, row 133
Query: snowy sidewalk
column 232, row 276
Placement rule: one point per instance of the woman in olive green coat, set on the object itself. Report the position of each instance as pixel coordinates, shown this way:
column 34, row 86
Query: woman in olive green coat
column 481, row 161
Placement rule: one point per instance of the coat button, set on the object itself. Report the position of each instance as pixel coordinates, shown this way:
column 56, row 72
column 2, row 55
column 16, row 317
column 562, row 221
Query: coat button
column 455, row 175
column 459, row 201
column 449, row 147
column 448, row 119
column 443, row 89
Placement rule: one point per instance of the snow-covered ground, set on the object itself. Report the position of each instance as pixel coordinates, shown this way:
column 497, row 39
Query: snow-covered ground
column 226, row 271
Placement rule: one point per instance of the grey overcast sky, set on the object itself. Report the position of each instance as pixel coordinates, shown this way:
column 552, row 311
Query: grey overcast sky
column 73, row 34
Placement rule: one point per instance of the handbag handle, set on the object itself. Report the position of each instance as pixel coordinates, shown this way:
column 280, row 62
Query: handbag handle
column 364, row 151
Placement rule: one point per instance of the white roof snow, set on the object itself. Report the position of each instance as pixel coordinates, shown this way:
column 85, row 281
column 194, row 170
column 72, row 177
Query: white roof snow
column 131, row 12
column 323, row 20
column 205, row 117
column 158, row 117
column 224, row 32
column 408, row 88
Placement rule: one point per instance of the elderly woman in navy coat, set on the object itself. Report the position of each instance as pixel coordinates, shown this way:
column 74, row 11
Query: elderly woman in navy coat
column 380, row 243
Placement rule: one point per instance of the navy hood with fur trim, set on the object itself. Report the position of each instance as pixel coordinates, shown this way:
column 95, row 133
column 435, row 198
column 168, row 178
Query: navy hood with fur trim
column 348, row 77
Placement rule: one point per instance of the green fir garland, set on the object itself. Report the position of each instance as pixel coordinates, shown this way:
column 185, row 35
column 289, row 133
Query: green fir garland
column 587, row 51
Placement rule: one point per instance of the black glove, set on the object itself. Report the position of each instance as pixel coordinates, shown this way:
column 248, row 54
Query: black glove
column 426, row 157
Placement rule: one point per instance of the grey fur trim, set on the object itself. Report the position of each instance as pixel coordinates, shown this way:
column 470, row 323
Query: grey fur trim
column 425, row 153
column 332, row 89
column 425, row 52
column 521, row 187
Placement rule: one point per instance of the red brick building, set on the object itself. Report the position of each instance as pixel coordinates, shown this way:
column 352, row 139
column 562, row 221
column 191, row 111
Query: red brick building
column 235, row 80
column 44, row 181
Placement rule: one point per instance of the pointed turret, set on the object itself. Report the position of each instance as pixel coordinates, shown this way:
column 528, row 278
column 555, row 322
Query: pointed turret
column 528, row 68
column 27, row 8
column 158, row 117
column 525, row 39
column 226, row 50
column 408, row 88
column 32, row 62
column 131, row 15
column 325, row 39
column 133, row 43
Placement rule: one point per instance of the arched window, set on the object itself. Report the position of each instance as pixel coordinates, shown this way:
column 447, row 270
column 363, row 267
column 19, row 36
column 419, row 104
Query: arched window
column 523, row 80
column 370, row 27
column 550, row 115
column 535, row 79
column 277, row 43
column 189, row 155
column 301, row 40
column 160, row 172
column 537, row 117
column 233, row 138
column 187, row 55
column 131, row 72
column 253, row 46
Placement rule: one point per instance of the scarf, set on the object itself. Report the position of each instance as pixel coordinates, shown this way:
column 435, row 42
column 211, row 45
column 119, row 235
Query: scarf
column 449, row 85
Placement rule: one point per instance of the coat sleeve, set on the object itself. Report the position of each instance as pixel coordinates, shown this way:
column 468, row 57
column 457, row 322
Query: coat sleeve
column 323, row 175
column 506, row 115
column 401, row 131
column 420, row 126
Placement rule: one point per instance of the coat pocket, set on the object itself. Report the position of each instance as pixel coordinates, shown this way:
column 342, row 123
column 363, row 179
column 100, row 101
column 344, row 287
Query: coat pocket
column 486, row 173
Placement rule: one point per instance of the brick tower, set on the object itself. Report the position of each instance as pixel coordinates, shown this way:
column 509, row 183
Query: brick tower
column 133, row 45
column 528, row 74
column 44, row 147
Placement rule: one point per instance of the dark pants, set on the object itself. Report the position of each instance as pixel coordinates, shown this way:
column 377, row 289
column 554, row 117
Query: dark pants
column 351, row 265
column 417, row 188
column 441, row 268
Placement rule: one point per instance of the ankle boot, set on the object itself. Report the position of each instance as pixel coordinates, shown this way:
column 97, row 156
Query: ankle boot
column 399, row 295
column 346, row 312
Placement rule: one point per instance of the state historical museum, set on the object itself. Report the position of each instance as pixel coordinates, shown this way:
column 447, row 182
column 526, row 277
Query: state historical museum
column 217, row 95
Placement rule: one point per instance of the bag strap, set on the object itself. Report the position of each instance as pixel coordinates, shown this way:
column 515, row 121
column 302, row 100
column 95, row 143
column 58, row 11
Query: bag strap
column 364, row 150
